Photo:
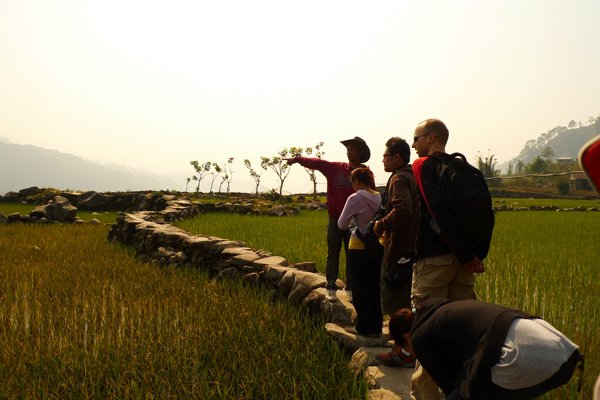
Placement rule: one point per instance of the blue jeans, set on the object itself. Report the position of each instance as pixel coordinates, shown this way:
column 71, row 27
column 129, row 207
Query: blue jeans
column 335, row 238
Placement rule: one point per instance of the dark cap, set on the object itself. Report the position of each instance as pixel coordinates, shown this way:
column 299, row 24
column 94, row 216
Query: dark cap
column 362, row 145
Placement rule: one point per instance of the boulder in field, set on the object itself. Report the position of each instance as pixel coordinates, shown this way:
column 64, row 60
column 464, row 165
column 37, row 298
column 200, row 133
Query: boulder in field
column 11, row 197
column 31, row 191
column 58, row 209
column 93, row 201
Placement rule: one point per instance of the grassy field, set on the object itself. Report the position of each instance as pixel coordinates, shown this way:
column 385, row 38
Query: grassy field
column 297, row 238
column 561, row 203
column 62, row 306
column 541, row 261
column 547, row 263
column 81, row 318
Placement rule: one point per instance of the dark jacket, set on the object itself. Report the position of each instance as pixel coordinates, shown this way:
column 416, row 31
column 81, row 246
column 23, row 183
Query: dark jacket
column 447, row 239
column 401, row 222
column 458, row 342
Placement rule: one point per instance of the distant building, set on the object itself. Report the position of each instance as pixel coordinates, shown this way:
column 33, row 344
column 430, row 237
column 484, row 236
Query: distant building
column 579, row 181
column 565, row 160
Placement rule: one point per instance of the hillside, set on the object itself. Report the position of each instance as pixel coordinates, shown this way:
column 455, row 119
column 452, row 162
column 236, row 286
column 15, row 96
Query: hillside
column 25, row 165
column 565, row 141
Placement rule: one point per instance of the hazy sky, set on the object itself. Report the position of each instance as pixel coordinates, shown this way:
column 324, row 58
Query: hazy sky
column 153, row 85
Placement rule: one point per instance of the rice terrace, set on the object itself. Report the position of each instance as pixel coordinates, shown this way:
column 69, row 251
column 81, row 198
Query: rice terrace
column 83, row 317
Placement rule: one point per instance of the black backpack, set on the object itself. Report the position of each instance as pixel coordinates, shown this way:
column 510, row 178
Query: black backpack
column 466, row 195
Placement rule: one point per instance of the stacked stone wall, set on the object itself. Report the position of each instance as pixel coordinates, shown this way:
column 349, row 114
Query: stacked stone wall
column 159, row 242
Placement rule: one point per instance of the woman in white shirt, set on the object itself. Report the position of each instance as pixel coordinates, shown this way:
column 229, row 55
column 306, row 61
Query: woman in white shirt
column 364, row 252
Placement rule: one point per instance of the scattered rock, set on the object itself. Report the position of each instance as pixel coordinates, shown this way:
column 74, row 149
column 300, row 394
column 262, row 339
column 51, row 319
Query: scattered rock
column 58, row 209
column 29, row 192
column 93, row 201
column 11, row 197
column 272, row 260
column 15, row 218
column 244, row 259
column 308, row 266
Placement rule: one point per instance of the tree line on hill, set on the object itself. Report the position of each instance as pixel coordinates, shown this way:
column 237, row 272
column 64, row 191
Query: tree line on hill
column 548, row 160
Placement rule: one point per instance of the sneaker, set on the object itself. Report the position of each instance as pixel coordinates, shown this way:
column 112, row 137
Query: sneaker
column 397, row 357
column 349, row 295
column 331, row 296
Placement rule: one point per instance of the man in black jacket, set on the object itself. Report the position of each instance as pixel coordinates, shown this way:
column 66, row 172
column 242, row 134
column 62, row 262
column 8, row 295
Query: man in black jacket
column 476, row 350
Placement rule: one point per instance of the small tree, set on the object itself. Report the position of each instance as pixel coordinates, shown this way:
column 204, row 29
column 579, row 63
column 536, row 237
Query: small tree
column 223, row 177
column 226, row 174
column 215, row 170
column 279, row 165
column 229, row 172
column 201, row 171
column 510, row 168
column 562, row 185
column 519, row 167
column 318, row 153
column 548, row 153
column 487, row 165
column 254, row 174
column 537, row 166
column 187, row 183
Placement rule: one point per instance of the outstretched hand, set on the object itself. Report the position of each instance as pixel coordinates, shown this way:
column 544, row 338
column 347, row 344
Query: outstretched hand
column 475, row 266
column 291, row 160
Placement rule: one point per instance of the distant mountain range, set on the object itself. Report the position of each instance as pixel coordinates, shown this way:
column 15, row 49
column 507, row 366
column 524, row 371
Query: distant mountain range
column 565, row 141
column 23, row 166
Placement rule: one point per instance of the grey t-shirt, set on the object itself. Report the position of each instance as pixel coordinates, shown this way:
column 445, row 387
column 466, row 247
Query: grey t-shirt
column 533, row 351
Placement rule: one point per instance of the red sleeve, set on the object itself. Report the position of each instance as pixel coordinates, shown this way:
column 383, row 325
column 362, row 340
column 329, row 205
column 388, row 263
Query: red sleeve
column 318, row 164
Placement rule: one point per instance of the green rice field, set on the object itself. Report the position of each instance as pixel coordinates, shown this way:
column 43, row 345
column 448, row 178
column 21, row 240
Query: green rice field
column 544, row 262
column 80, row 318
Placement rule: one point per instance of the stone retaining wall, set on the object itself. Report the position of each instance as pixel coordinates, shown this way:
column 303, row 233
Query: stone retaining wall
column 159, row 242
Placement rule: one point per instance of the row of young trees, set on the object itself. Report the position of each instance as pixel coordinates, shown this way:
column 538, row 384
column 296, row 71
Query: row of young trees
column 278, row 164
column 538, row 171
column 542, row 164
column 214, row 170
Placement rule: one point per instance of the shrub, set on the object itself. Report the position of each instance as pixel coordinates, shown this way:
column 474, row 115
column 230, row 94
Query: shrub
column 562, row 185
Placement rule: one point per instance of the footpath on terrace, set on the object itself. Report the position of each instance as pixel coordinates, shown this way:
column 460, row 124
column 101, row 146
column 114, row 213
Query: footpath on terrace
column 387, row 383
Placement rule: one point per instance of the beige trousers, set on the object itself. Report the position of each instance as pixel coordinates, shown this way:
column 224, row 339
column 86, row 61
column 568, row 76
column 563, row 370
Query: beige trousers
column 438, row 276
